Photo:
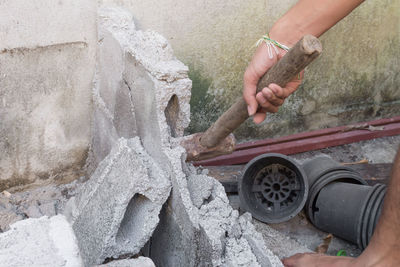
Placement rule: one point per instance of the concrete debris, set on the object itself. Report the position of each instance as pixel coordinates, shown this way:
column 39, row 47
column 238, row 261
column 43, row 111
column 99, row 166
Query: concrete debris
column 40, row 242
column 203, row 227
column 280, row 244
column 117, row 209
column 138, row 262
column 47, row 200
column 141, row 89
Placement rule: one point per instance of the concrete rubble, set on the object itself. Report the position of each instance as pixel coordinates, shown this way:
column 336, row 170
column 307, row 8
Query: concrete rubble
column 40, row 242
column 141, row 89
column 116, row 211
column 46, row 200
column 137, row 262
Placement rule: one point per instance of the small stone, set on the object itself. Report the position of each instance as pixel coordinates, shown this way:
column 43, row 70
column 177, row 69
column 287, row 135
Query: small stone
column 6, row 194
column 33, row 212
column 48, row 209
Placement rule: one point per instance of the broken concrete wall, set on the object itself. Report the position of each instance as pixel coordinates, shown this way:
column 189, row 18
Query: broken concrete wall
column 197, row 225
column 47, row 63
column 141, row 89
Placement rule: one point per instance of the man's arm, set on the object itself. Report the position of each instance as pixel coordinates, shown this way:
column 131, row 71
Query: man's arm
column 305, row 17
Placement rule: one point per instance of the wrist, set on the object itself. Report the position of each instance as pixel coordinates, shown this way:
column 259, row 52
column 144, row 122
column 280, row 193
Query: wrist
column 286, row 32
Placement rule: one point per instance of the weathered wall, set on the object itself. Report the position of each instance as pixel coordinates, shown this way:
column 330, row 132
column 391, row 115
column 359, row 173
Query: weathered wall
column 47, row 58
column 356, row 79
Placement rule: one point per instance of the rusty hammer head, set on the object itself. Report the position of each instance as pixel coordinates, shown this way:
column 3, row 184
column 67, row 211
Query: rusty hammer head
column 195, row 151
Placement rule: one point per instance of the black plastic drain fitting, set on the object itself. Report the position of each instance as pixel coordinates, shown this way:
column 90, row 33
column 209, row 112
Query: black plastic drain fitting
column 349, row 211
column 321, row 171
column 273, row 188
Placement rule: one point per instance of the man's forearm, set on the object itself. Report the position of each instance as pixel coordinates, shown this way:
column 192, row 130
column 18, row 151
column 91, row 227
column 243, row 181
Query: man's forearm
column 310, row 17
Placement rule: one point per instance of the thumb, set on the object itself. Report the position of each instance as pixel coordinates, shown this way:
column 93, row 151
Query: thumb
column 249, row 92
column 252, row 106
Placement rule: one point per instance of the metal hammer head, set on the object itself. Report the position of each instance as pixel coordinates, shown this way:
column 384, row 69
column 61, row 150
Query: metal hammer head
column 195, row 151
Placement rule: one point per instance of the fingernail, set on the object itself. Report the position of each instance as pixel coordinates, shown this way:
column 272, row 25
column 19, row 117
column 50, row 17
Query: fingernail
column 268, row 94
column 262, row 100
column 249, row 111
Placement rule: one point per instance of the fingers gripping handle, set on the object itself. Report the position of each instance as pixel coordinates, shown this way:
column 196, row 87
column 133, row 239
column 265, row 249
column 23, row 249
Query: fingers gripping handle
column 295, row 60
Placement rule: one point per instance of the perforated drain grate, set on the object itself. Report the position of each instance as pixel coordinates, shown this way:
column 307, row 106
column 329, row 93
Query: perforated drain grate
column 276, row 186
column 273, row 188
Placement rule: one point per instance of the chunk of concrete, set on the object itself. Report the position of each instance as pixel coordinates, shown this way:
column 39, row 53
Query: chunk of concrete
column 116, row 211
column 40, row 242
column 202, row 226
column 138, row 262
column 141, row 89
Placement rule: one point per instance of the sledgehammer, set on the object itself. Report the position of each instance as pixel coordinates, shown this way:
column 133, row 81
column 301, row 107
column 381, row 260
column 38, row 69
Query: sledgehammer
column 218, row 140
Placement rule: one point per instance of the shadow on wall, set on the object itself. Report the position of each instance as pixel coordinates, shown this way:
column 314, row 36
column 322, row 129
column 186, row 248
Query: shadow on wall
column 172, row 114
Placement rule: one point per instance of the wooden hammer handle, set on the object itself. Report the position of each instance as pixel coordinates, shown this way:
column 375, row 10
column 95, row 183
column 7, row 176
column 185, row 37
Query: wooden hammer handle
column 295, row 60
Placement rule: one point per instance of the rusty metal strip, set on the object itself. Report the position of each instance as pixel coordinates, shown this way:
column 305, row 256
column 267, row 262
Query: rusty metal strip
column 310, row 134
column 309, row 141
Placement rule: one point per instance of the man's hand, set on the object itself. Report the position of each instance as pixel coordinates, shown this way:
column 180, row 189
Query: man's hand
column 319, row 260
column 271, row 97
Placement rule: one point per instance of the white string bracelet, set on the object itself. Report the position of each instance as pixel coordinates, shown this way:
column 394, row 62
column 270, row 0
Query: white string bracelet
column 271, row 44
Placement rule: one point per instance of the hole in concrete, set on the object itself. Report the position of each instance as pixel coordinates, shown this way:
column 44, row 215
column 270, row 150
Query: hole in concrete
column 138, row 216
column 172, row 114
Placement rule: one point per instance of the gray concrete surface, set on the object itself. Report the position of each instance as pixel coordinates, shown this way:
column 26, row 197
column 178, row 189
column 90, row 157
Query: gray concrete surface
column 116, row 210
column 141, row 89
column 202, row 227
column 47, row 64
column 40, row 242
column 137, row 262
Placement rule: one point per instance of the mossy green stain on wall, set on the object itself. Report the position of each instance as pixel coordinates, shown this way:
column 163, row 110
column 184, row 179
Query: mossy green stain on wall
column 201, row 109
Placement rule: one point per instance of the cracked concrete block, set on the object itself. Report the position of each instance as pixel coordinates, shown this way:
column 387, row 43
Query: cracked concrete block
column 137, row 262
column 141, row 86
column 40, row 242
column 236, row 247
column 202, row 187
column 202, row 226
column 116, row 211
